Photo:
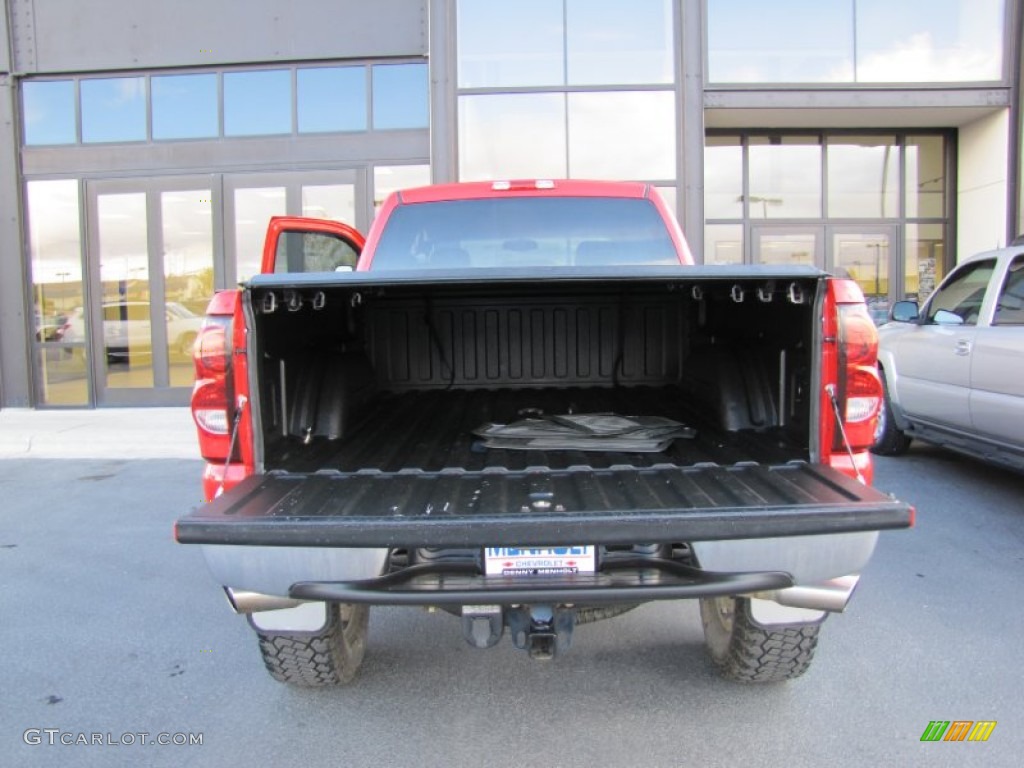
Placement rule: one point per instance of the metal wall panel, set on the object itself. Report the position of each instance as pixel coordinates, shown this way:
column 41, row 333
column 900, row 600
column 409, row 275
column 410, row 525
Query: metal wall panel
column 73, row 36
column 14, row 352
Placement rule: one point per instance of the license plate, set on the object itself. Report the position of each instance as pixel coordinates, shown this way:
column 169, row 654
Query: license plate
column 538, row 561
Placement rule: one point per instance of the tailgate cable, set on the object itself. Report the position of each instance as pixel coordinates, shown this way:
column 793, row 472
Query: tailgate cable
column 242, row 401
column 830, row 389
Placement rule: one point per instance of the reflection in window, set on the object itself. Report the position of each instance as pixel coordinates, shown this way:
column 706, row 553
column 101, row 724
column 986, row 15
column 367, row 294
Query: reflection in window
column 330, row 201
column 787, row 41
column 510, row 44
column 923, row 260
column 602, row 124
column 400, row 96
column 787, row 248
column 864, row 257
column 187, row 223
column 184, row 106
column 619, row 42
column 926, row 176
column 1010, row 305
column 863, row 177
column 390, row 178
column 313, row 252
column 257, row 103
column 795, row 41
column 723, row 177
column 332, row 99
column 113, row 109
column 124, row 274
column 785, row 177
column 723, row 244
column 514, row 136
column 964, row 293
column 253, row 209
column 55, row 254
column 49, row 111
column 923, row 41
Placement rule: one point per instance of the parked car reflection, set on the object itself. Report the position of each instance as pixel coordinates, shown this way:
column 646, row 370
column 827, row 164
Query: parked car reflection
column 127, row 331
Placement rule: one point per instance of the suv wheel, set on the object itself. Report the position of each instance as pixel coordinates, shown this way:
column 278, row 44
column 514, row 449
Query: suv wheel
column 889, row 440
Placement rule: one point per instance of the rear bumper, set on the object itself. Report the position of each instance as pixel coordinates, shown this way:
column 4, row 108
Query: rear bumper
column 627, row 582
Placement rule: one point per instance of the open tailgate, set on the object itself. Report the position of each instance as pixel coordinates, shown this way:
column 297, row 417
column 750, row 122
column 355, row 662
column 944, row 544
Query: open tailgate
column 497, row 507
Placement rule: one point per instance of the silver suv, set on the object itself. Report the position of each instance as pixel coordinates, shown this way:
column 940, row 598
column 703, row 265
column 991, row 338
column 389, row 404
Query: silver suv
column 954, row 369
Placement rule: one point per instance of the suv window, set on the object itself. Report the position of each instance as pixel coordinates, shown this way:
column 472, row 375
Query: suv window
column 1010, row 307
column 964, row 292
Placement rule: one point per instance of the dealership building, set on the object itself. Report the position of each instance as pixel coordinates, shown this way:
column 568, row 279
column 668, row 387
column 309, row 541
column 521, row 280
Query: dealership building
column 144, row 145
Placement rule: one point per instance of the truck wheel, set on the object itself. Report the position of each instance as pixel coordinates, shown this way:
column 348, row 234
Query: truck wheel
column 746, row 652
column 330, row 656
column 889, row 440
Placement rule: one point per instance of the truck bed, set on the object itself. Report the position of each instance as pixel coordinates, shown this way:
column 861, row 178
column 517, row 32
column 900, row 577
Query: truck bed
column 433, row 430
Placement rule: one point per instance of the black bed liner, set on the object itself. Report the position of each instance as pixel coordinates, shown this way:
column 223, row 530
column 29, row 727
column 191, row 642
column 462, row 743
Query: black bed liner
column 539, row 506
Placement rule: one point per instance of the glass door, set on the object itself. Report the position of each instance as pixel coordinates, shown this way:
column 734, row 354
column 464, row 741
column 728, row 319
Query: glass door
column 782, row 244
column 867, row 255
column 151, row 263
column 252, row 198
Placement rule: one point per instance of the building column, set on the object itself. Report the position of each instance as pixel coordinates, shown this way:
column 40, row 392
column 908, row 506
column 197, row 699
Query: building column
column 15, row 387
column 692, row 115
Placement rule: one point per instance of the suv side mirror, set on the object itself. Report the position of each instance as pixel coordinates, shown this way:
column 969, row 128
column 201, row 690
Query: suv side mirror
column 904, row 312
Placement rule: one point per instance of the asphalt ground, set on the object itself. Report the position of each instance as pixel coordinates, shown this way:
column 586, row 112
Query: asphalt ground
column 110, row 630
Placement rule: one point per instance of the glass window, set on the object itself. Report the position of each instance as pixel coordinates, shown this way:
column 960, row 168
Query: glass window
column 512, row 136
column 49, row 111
column 114, row 109
column 124, row 274
column 313, row 252
column 525, row 232
column 785, row 177
column 58, row 295
column 332, row 99
column 330, row 201
column 723, row 177
column 619, row 42
column 603, row 125
column 924, row 41
column 863, row 177
column 786, row 247
column 510, row 44
column 964, row 292
column 253, row 209
column 400, row 96
column 787, row 41
column 723, row 244
column 1010, row 306
column 923, row 261
column 257, row 103
column 184, row 106
column 926, row 176
column 187, row 229
column 864, row 257
column 390, row 178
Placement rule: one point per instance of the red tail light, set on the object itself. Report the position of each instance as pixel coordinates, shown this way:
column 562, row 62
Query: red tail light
column 852, row 391
column 211, row 396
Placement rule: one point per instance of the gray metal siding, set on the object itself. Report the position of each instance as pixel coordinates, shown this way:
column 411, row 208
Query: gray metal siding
column 61, row 36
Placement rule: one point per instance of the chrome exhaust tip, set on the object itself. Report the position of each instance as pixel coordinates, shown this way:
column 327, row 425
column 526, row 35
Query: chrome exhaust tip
column 832, row 595
column 244, row 602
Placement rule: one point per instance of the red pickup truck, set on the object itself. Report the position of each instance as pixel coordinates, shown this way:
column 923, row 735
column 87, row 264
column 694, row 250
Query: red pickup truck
column 522, row 403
